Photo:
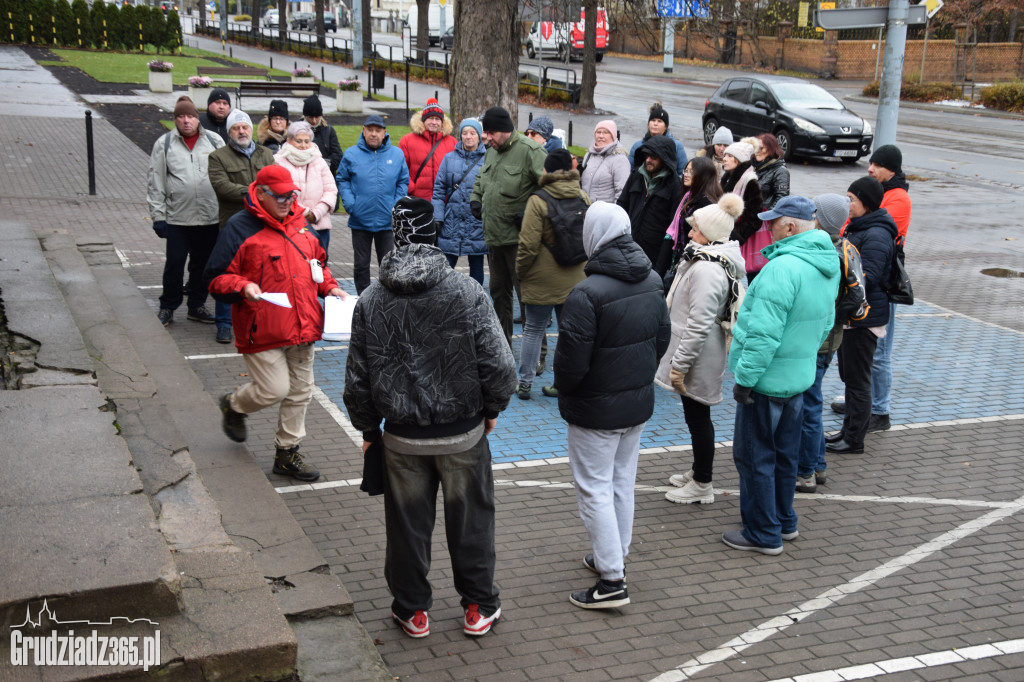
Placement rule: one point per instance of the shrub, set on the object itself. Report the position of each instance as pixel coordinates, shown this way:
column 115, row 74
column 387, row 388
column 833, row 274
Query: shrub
column 1005, row 96
column 919, row 92
column 241, row 18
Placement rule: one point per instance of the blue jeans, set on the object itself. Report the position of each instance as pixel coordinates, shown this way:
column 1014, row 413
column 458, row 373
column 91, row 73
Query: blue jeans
column 812, row 439
column 765, row 450
column 325, row 238
column 222, row 314
column 881, row 372
column 534, row 328
column 476, row 265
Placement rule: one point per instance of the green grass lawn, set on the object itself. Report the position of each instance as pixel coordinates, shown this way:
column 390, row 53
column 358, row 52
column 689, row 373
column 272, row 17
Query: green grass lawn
column 120, row 67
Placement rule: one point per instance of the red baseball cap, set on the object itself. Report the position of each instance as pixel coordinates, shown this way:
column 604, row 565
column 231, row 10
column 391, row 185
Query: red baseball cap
column 277, row 178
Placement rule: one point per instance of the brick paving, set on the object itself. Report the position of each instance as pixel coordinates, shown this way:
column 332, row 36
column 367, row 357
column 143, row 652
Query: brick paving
column 912, row 549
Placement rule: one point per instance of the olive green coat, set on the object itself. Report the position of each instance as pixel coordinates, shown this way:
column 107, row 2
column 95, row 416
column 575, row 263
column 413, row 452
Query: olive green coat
column 231, row 172
column 511, row 173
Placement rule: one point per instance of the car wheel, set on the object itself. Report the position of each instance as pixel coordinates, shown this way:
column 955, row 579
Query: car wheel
column 710, row 128
column 851, row 159
column 598, row 57
column 530, row 52
column 785, row 143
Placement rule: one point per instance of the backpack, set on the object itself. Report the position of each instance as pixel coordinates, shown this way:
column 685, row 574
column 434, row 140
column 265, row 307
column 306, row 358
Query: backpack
column 734, row 301
column 566, row 216
column 851, row 302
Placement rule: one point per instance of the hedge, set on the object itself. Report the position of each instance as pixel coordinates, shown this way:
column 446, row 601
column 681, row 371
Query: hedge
column 1005, row 96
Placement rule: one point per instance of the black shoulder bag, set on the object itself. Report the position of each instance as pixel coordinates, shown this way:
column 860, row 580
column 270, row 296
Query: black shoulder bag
column 455, row 188
column 429, row 156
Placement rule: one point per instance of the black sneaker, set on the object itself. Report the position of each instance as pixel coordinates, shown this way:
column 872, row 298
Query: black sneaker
column 289, row 463
column 838, row 406
column 879, row 422
column 588, row 563
column 232, row 422
column 224, row 335
column 166, row 316
column 605, row 594
column 201, row 314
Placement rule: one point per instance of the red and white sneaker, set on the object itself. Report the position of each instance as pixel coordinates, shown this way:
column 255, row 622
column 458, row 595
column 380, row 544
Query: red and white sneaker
column 478, row 624
column 417, row 626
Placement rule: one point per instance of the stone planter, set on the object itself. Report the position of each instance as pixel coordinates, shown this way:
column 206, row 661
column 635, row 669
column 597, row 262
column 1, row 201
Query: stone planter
column 199, row 96
column 160, row 81
column 350, row 101
column 302, row 79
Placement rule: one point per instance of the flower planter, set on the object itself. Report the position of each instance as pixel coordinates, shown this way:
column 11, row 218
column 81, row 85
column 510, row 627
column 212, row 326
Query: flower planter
column 302, row 79
column 160, row 81
column 350, row 101
column 199, row 96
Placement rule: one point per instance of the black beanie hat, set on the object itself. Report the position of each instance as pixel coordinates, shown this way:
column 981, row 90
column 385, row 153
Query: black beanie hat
column 558, row 159
column 216, row 94
column 869, row 191
column 278, row 107
column 413, row 221
column 497, row 120
column 888, row 156
column 311, row 106
column 658, row 111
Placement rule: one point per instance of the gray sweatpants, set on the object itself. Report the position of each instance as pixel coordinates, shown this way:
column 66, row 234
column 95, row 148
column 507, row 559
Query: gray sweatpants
column 604, row 468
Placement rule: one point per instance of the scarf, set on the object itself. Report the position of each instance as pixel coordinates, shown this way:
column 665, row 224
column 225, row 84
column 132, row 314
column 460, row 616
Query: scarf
column 299, row 157
column 898, row 181
column 247, row 150
column 594, row 149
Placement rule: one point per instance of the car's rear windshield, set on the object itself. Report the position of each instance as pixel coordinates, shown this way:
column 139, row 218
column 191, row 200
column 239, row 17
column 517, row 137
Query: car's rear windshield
column 804, row 96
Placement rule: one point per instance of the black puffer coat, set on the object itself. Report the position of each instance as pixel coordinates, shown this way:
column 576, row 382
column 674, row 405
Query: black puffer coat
column 650, row 213
column 427, row 354
column 773, row 178
column 613, row 330
column 874, row 235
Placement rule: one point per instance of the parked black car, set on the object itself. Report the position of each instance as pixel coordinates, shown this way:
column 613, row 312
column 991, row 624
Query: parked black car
column 306, row 21
column 806, row 118
column 448, row 38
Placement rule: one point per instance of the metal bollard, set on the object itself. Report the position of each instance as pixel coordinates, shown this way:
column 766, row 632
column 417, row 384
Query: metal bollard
column 395, row 97
column 271, row 62
column 529, row 119
column 90, row 153
column 570, row 134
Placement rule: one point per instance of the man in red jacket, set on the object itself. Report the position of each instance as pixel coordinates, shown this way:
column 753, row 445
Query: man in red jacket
column 425, row 146
column 270, row 249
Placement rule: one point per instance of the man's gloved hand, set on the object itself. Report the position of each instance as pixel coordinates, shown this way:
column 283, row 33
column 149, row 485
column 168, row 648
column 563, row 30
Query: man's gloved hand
column 677, row 378
column 160, row 227
column 478, row 209
column 741, row 394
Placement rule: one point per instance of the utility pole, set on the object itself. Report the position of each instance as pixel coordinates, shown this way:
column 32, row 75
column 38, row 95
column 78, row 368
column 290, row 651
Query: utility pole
column 892, row 72
column 357, row 34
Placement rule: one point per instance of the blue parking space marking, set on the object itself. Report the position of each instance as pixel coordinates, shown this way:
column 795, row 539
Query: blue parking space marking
column 944, row 367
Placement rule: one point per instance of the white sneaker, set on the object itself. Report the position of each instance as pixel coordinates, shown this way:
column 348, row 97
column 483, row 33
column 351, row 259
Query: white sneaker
column 693, row 491
column 679, row 480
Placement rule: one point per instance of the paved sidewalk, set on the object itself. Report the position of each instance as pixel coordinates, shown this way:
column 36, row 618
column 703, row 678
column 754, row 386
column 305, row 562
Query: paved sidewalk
column 910, row 559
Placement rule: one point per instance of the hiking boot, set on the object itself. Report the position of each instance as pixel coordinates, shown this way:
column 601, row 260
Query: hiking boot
column 417, row 626
column 476, row 623
column 224, row 334
column 693, row 491
column 166, row 316
column 232, row 422
column 819, row 477
column 550, row 391
column 838, row 406
column 541, row 366
column 201, row 314
column 806, row 484
column 879, row 422
column 735, row 539
column 605, row 594
column 289, row 463
column 523, row 391
column 679, row 480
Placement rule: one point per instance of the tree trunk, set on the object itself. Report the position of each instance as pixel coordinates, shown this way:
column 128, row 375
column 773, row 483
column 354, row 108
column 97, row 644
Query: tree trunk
column 282, row 21
column 367, row 30
column 318, row 10
column 589, row 81
column 485, row 58
column 422, row 30
column 255, row 20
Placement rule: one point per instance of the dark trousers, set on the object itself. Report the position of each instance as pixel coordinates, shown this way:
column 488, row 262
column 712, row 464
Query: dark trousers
column 702, row 436
column 383, row 241
column 501, row 261
column 410, row 503
column 856, row 357
column 325, row 238
column 476, row 265
column 192, row 243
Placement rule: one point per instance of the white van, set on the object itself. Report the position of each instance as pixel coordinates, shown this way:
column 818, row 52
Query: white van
column 548, row 37
column 412, row 17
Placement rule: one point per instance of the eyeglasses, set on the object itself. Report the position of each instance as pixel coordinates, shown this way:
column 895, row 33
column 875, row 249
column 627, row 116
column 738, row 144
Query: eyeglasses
column 687, row 172
column 281, row 198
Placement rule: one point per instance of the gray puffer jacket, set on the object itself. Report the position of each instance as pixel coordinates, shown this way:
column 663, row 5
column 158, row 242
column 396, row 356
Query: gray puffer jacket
column 427, row 354
column 697, row 347
column 603, row 174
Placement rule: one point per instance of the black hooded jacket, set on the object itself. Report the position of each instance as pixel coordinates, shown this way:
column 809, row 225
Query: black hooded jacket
column 651, row 212
column 613, row 330
column 874, row 235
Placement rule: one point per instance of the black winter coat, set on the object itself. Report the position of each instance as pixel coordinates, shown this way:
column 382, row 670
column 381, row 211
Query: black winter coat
column 613, row 330
column 649, row 216
column 874, row 235
column 773, row 178
column 326, row 139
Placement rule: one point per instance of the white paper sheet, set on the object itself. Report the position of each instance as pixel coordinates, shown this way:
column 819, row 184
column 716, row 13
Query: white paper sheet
column 280, row 299
column 338, row 318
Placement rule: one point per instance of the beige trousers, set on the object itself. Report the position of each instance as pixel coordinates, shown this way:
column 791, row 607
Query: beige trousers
column 283, row 375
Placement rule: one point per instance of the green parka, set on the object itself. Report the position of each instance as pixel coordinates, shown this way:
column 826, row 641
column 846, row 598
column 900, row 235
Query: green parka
column 231, row 172
column 511, row 173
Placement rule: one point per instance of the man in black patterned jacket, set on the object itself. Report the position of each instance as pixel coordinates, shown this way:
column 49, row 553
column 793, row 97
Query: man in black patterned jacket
column 429, row 359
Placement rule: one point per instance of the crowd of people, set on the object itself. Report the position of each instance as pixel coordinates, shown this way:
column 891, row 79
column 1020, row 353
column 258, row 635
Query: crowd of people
column 658, row 269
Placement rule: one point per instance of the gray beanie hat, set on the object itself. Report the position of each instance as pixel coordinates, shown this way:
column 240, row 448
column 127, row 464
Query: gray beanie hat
column 542, row 125
column 722, row 136
column 831, row 211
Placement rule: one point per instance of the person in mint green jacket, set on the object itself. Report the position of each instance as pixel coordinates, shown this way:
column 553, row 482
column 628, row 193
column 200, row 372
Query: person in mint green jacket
column 786, row 314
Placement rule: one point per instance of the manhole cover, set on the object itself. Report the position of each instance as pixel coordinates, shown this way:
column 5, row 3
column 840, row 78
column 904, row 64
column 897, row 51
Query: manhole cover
column 1001, row 272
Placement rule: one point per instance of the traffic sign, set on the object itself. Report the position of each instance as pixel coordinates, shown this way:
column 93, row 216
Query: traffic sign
column 864, row 17
column 684, row 9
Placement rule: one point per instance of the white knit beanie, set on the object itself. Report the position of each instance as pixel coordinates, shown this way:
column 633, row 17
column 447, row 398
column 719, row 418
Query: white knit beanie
column 237, row 116
column 741, row 151
column 717, row 220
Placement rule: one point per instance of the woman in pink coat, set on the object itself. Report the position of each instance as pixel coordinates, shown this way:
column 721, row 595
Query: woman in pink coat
column 310, row 172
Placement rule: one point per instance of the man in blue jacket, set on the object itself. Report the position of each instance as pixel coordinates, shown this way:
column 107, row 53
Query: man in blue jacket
column 371, row 178
column 786, row 315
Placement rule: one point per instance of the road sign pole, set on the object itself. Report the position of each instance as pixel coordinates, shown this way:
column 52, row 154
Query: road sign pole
column 669, row 44
column 892, row 73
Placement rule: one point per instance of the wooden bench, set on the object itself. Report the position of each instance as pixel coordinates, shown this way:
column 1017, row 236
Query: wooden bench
column 247, row 71
column 275, row 89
